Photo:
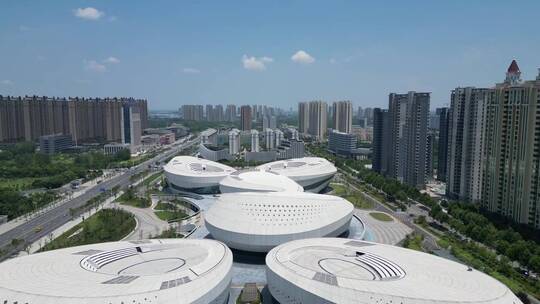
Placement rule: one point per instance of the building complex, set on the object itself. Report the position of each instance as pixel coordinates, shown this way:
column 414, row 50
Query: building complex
column 400, row 136
column 85, row 119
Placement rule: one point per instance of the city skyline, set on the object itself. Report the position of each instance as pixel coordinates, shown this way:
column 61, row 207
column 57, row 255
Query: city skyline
column 366, row 52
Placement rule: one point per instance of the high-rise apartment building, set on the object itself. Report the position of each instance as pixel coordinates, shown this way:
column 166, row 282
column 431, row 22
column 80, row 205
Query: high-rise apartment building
column 234, row 142
column 303, row 117
column 317, row 119
column 192, row 112
column 368, row 116
column 511, row 180
column 245, row 118
column 465, row 143
column 408, row 115
column 279, row 137
column 209, row 112
column 230, row 113
column 442, row 146
column 255, row 141
column 342, row 116
column 381, row 141
column 85, row 119
column 269, row 139
column 269, row 122
column 218, row 113
column 131, row 127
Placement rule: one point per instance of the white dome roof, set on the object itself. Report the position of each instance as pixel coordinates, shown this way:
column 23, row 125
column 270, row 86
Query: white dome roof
column 258, row 181
column 304, row 166
column 148, row 271
column 196, row 167
column 335, row 270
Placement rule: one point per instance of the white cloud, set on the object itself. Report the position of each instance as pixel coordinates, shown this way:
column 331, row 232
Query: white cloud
column 333, row 60
column 94, row 66
column 191, row 71
column 112, row 60
column 302, row 57
column 254, row 63
column 6, row 82
column 88, row 13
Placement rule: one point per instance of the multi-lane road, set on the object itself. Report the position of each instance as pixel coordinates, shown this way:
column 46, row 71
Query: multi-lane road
column 47, row 222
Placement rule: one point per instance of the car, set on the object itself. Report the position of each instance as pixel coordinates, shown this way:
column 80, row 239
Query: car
column 38, row 229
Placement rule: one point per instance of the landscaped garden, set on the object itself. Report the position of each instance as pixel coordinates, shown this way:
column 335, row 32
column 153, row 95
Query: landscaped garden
column 106, row 225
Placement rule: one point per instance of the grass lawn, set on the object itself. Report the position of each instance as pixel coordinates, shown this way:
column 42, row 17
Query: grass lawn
column 383, row 217
column 134, row 201
column 359, row 201
column 137, row 202
column 168, row 215
column 355, row 197
column 151, row 178
column 106, row 225
column 339, row 189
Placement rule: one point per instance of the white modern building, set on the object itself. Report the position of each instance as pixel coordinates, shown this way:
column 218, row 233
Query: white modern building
column 258, row 181
column 335, row 270
column 255, row 141
column 148, row 271
column 278, row 134
column 269, row 139
column 312, row 173
column 209, row 136
column 192, row 174
column 257, row 222
column 234, row 142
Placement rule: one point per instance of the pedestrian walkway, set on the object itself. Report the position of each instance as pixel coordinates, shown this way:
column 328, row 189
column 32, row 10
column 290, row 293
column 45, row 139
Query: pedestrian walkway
column 383, row 232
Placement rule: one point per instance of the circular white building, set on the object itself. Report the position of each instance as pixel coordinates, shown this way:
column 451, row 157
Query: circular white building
column 333, row 270
column 258, row 181
column 312, row 173
column 259, row 221
column 192, row 174
column 150, row 271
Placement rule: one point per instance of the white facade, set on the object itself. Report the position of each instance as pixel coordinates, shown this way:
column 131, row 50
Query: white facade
column 312, row 173
column 269, row 139
column 148, row 271
column 191, row 174
column 255, row 141
column 279, row 137
column 114, row 148
column 258, row 181
column 336, row 270
column 234, row 142
column 257, row 222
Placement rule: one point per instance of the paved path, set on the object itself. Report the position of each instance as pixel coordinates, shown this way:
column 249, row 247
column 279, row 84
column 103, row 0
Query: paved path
column 148, row 224
column 383, row 232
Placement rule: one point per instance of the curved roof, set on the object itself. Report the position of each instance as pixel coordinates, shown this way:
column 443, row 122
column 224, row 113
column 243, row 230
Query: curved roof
column 193, row 166
column 276, row 213
column 258, row 181
column 148, row 271
column 350, row 271
column 300, row 166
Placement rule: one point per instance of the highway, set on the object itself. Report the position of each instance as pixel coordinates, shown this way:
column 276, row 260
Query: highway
column 56, row 217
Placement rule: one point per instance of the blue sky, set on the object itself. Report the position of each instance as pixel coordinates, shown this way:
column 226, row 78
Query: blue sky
column 262, row 52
